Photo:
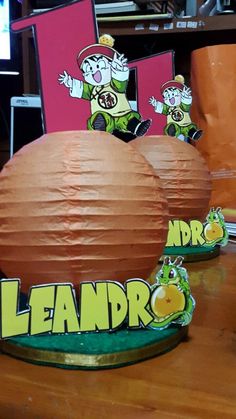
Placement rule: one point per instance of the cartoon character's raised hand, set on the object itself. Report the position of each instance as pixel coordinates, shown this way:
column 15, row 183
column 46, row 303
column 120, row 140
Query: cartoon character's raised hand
column 119, row 62
column 65, row 79
column 158, row 106
column 153, row 101
column 186, row 95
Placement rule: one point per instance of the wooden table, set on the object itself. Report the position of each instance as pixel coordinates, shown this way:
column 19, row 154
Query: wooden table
column 195, row 380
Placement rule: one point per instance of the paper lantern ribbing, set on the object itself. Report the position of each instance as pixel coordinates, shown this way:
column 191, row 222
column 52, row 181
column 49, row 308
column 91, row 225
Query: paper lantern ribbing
column 183, row 172
column 79, row 206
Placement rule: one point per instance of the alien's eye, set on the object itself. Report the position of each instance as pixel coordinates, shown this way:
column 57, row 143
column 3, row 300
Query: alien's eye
column 171, row 274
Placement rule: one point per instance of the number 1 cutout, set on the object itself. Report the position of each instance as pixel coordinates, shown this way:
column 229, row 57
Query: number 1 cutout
column 151, row 73
column 60, row 34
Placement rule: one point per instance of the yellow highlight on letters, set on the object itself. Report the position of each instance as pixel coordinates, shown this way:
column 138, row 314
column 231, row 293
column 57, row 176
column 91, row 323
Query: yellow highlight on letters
column 52, row 308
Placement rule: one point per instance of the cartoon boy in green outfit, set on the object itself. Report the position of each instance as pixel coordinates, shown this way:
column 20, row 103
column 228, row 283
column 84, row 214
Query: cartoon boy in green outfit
column 177, row 103
column 106, row 76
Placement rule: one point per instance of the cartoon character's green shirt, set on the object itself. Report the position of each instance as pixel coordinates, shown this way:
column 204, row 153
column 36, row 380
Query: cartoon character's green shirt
column 177, row 114
column 109, row 98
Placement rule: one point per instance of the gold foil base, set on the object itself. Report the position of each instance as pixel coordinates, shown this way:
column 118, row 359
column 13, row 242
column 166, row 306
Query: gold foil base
column 93, row 361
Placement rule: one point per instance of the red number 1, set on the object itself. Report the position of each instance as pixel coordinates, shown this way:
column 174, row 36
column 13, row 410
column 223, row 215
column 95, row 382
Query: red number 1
column 60, row 34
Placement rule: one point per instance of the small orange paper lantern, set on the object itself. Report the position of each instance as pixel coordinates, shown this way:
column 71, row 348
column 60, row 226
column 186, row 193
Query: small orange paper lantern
column 183, row 172
column 80, row 206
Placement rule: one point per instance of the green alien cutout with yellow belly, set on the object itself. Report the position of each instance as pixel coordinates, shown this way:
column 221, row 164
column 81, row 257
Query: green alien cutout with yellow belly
column 171, row 299
column 215, row 231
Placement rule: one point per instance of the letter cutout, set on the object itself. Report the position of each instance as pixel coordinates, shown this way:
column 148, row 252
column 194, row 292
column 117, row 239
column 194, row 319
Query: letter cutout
column 173, row 238
column 65, row 319
column 14, row 322
column 138, row 296
column 94, row 314
column 41, row 302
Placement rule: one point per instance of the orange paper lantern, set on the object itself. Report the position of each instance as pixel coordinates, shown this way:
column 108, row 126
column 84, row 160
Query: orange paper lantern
column 183, row 172
column 80, row 206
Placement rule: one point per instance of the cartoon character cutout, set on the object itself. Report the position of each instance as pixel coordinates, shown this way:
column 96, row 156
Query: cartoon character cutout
column 177, row 104
column 171, row 300
column 106, row 76
column 215, row 231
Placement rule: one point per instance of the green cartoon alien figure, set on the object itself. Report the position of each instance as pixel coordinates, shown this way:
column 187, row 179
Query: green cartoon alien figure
column 177, row 104
column 171, row 299
column 215, row 231
column 106, row 76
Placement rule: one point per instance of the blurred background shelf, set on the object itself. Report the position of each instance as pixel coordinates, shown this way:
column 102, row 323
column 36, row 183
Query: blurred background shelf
column 123, row 25
column 162, row 32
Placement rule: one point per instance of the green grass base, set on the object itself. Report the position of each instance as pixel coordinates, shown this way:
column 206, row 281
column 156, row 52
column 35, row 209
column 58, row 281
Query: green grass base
column 94, row 350
column 193, row 253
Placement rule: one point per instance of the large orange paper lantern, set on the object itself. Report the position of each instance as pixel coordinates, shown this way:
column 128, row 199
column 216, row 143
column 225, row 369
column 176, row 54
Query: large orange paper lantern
column 80, row 206
column 183, row 172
